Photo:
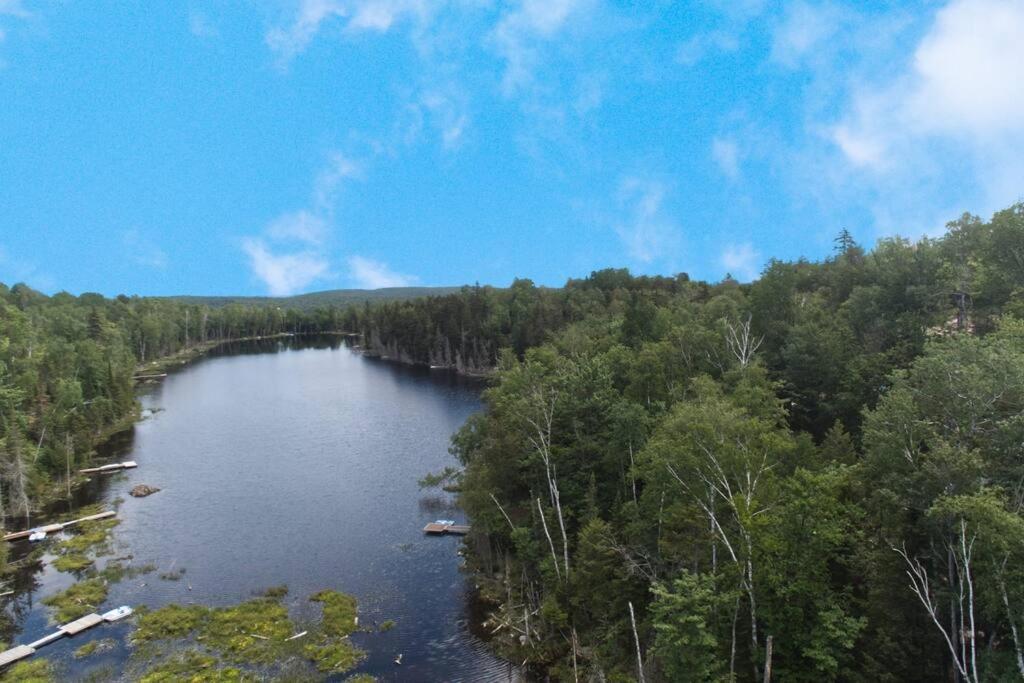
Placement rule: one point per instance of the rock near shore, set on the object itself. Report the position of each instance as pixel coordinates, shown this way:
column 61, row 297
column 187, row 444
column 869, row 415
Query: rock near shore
column 143, row 490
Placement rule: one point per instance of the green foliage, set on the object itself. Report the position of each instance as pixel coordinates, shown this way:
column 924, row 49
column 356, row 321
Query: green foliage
column 194, row 667
column 36, row 670
column 78, row 600
column 684, row 616
column 256, row 633
column 745, row 461
column 339, row 612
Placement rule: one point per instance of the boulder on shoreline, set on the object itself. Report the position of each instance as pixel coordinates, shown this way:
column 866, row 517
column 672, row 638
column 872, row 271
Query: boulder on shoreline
column 143, row 490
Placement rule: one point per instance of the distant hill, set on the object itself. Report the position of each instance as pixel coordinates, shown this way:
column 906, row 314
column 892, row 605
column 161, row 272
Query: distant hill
column 332, row 297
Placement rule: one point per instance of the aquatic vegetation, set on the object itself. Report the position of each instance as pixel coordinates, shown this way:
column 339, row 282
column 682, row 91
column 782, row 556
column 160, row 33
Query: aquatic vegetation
column 172, row 621
column 339, row 615
column 116, row 571
column 335, row 657
column 173, row 575
column 252, row 632
column 30, row 671
column 386, row 625
column 102, row 674
column 361, row 678
column 95, row 646
column 89, row 536
column 72, row 563
column 78, row 600
column 193, row 666
column 276, row 592
column 257, row 634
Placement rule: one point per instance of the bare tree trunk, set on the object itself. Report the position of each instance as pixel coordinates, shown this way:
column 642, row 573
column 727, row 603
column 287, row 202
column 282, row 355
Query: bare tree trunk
column 575, row 668
column 967, row 552
column 504, row 514
column 955, row 632
column 632, row 471
column 1013, row 622
column 636, row 639
column 920, row 586
column 544, row 523
column 542, row 443
column 732, row 646
column 768, row 660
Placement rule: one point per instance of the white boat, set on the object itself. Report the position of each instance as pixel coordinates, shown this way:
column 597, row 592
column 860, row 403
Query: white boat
column 117, row 614
column 445, row 522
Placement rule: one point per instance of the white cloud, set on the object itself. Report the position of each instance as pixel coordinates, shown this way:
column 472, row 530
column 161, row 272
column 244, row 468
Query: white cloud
column 960, row 96
column 355, row 15
column 704, row 45
column 370, row 274
column 300, row 225
column 742, row 261
column 647, row 232
column 803, row 29
column 291, row 253
column 325, row 189
column 380, row 15
column 289, row 42
column 966, row 82
column 521, row 32
column 287, row 273
column 444, row 109
column 143, row 250
column 726, row 154
column 969, row 69
column 14, row 8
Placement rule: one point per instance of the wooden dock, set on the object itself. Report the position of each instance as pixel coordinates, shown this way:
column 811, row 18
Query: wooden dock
column 77, row 626
column 53, row 528
column 439, row 529
column 112, row 467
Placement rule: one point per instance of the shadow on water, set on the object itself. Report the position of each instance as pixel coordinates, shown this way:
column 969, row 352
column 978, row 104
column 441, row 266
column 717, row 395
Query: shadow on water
column 287, row 461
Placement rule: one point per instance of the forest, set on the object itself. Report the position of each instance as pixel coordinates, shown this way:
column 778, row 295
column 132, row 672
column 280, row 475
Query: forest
column 816, row 476
column 67, row 374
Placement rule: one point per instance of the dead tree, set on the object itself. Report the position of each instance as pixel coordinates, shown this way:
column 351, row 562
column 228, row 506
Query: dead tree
column 740, row 500
column 965, row 657
column 541, row 424
column 741, row 341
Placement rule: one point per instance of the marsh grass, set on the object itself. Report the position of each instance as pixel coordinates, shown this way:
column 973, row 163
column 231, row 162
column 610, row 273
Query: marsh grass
column 255, row 635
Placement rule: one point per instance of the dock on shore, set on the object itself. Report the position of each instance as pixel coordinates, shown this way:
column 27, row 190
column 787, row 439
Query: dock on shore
column 112, row 467
column 440, row 529
column 77, row 626
column 58, row 526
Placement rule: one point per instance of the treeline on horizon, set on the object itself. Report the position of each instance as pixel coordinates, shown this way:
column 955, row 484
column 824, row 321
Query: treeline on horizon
column 820, row 473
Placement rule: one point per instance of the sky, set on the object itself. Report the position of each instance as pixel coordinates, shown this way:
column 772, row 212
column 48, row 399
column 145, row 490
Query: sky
column 279, row 147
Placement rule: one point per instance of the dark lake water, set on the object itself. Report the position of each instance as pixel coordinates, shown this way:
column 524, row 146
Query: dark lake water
column 293, row 463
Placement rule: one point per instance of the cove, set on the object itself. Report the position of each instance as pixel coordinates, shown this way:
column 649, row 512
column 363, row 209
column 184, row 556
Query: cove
column 291, row 462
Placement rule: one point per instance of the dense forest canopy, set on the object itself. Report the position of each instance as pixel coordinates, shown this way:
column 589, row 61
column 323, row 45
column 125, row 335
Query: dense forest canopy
column 819, row 474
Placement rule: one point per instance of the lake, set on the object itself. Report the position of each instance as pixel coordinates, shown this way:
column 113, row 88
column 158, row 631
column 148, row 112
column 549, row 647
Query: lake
column 292, row 462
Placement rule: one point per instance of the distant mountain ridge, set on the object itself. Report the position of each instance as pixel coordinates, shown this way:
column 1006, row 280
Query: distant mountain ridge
column 312, row 300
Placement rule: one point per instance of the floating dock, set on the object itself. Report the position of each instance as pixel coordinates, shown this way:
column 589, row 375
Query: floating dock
column 439, row 529
column 52, row 528
column 112, row 467
column 77, row 626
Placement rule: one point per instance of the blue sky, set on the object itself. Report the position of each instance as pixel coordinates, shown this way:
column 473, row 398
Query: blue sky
column 282, row 147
